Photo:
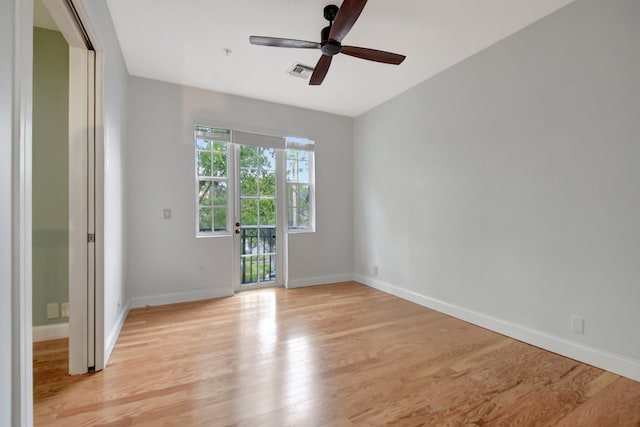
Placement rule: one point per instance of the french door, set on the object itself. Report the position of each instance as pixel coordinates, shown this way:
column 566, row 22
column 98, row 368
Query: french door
column 258, row 223
column 253, row 188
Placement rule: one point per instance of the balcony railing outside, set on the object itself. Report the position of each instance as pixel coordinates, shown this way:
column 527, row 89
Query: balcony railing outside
column 258, row 257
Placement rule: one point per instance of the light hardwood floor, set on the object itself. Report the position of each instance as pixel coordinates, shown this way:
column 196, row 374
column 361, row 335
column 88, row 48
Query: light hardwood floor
column 336, row 355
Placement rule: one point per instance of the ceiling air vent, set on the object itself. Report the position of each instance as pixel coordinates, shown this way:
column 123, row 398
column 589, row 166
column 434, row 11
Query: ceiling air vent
column 299, row 70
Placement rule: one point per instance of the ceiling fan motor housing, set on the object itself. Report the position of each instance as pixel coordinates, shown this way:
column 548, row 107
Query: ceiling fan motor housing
column 329, row 47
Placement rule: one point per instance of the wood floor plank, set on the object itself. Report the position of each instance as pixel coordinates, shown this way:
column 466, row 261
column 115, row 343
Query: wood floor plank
column 335, row 355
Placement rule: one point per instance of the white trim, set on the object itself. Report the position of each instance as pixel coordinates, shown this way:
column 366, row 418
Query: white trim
column 612, row 362
column 100, row 357
column 319, row 280
column 66, row 23
column 174, row 298
column 86, row 262
column 91, row 210
column 112, row 338
column 78, row 172
column 282, row 220
column 50, row 332
column 21, row 113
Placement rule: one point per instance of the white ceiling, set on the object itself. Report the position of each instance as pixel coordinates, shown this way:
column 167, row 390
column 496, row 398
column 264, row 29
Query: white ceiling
column 183, row 42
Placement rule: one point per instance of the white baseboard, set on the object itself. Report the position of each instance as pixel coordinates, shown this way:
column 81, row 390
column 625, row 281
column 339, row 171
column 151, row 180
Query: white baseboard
column 319, row 280
column 175, row 298
column 611, row 362
column 112, row 338
column 50, row 332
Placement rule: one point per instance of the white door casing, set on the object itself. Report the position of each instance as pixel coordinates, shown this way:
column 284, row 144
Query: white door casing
column 86, row 330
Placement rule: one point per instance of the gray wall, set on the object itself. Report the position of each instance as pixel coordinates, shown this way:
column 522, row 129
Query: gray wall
column 50, row 177
column 166, row 262
column 507, row 186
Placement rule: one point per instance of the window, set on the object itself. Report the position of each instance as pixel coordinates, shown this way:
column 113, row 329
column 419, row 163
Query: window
column 212, row 180
column 300, row 189
column 251, row 189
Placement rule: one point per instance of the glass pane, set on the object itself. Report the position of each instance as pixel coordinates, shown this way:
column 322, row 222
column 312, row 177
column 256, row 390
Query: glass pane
column 221, row 193
column 292, row 170
column 303, row 155
column 204, row 193
column 303, row 171
column 268, row 158
column 249, row 240
column 248, row 182
column 220, row 146
column 293, row 198
column 292, row 217
column 249, row 269
column 303, row 196
column 204, row 220
column 267, row 240
column 267, row 212
column 204, row 163
column 292, row 154
column 220, row 219
column 268, row 183
column 203, row 144
column 303, row 218
column 249, row 211
column 219, row 164
column 248, row 157
column 267, row 268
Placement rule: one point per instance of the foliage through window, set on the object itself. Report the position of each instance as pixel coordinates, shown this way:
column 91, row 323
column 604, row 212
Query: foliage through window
column 300, row 189
column 257, row 214
column 212, row 177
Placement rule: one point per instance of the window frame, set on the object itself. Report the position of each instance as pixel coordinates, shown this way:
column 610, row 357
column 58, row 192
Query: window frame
column 200, row 178
column 310, row 183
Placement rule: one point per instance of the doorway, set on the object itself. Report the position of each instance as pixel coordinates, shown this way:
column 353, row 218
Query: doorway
column 84, row 148
column 258, row 227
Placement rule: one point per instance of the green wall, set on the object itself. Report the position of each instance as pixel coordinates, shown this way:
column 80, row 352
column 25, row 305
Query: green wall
column 50, row 173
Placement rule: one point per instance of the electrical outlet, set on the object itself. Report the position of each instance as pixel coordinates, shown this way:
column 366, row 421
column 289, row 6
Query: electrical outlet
column 53, row 311
column 166, row 214
column 64, row 308
column 375, row 270
column 577, row 324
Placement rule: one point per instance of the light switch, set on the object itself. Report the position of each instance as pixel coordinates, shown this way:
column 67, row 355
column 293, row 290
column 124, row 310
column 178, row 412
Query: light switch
column 166, row 214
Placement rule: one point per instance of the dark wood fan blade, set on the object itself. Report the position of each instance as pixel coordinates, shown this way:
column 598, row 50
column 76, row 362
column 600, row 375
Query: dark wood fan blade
column 320, row 71
column 278, row 42
column 347, row 16
column 373, row 55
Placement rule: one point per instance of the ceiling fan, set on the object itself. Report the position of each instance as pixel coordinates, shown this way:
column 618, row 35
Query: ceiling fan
column 340, row 22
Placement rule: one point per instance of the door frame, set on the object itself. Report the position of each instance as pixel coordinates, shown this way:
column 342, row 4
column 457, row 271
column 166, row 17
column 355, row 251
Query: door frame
column 86, row 187
column 18, row 45
column 281, row 220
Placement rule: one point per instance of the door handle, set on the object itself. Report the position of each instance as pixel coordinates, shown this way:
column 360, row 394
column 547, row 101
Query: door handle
column 237, row 231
